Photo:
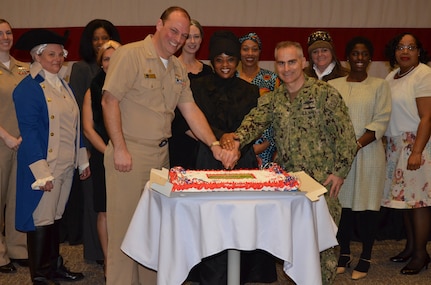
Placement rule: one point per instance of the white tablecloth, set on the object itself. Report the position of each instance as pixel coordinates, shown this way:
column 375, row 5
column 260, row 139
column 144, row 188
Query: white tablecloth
column 171, row 235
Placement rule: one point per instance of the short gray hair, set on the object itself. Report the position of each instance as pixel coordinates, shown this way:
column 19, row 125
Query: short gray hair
column 37, row 50
column 286, row 44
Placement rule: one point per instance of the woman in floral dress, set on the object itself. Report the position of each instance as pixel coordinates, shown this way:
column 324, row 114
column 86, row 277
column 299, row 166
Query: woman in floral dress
column 408, row 151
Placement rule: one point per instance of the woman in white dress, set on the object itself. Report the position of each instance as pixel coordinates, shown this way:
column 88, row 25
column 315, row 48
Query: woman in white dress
column 408, row 152
column 369, row 102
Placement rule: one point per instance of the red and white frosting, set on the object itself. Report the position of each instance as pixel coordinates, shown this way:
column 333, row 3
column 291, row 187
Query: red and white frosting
column 273, row 178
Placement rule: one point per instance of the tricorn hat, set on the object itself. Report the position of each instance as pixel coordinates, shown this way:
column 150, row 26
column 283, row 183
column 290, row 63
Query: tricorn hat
column 36, row 37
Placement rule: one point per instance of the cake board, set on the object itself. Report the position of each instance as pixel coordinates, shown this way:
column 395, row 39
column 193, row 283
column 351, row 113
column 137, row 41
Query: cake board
column 159, row 181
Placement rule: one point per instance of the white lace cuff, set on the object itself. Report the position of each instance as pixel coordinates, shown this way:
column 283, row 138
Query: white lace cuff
column 41, row 182
column 83, row 166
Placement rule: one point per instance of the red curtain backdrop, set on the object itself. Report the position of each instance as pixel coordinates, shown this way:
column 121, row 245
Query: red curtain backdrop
column 270, row 36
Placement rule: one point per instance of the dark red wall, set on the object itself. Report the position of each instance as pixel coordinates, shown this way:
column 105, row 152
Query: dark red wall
column 270, row 37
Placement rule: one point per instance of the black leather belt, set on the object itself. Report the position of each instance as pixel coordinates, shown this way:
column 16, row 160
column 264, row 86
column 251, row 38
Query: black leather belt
column 163, row 143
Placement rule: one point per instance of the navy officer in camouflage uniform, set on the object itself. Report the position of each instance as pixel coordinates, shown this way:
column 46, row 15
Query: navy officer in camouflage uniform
column 312, row 131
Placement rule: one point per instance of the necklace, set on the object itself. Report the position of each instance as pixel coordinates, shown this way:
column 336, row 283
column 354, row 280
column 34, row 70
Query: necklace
column 193, row 67
column 248, row 77
column 399, row 75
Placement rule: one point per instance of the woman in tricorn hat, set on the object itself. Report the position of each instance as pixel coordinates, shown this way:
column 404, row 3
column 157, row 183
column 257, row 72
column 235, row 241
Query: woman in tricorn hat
column 51, row 149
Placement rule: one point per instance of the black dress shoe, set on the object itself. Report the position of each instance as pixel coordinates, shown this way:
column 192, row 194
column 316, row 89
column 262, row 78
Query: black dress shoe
column 62, row 274
column 44, row 281
column 8, row 268
column 21, row 262
column 100, row 261
column 399, row 258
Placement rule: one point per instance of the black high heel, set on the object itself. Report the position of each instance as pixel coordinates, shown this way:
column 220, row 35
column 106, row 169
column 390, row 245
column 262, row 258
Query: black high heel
column 400, row 258
column 343, row 261
column 412, row 271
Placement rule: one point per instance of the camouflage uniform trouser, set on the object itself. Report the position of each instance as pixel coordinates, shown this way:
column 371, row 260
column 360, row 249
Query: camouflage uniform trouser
column 328, row 260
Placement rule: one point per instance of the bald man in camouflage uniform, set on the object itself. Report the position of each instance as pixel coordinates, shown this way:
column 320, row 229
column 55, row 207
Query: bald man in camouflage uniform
column 312, row 128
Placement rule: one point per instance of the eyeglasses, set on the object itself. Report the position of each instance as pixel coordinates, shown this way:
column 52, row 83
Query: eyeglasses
column 409, row 47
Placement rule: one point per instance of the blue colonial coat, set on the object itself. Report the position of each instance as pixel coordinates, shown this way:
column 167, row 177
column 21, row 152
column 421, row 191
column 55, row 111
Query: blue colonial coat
column 37, row 120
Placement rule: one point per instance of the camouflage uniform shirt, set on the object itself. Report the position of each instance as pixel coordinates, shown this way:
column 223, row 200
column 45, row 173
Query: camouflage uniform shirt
column 312, row 133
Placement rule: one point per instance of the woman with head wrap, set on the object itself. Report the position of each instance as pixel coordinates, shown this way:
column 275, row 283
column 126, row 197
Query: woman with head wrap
column 267, row 81
column 249, row 69
column 51, row 149
column 225, row 99
column 323, row 63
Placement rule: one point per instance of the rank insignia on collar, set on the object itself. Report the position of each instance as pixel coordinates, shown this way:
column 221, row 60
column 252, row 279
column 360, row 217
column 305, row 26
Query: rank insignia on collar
column 23, row 70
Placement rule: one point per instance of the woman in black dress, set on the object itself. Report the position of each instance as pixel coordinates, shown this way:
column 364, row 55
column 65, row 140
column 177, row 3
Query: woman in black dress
column 95, row 132
column 183, row 144
column 225, row 99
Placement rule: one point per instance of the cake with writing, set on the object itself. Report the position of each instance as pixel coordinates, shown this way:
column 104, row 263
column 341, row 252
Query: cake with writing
column 273, row 178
